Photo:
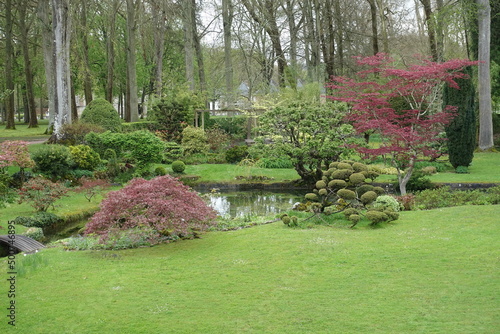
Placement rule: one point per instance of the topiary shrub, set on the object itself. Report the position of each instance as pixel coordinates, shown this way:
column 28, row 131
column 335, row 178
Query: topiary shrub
column 160, row 171
column 162, row 204
column 85, row 157
column 342, row 188
column 53, row 160
column 387, row 202
column 194, row 140
column 236, row 153
column 173, row 151
column 178, row 167
column 102, row 113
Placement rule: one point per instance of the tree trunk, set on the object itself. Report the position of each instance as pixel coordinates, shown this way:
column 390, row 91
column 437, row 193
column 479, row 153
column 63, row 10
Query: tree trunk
column 131, row 107
column 110, row 51
column 198, row 49
column 9, row 60
column 374, row 14
column 159, row 36
column 61, row 24
column 48, row 58
column 227, row 19
column 485, row 110
column 87, row 79
column 28, row 73
column 430, row 29
column 189, row 44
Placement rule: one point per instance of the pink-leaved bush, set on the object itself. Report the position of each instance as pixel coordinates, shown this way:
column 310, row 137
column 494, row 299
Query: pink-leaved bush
column 162, row 204
column 407, row 135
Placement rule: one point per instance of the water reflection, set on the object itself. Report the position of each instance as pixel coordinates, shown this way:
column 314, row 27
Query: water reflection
column 255, row 203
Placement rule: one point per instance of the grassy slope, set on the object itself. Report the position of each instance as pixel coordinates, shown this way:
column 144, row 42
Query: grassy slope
column 431, row 272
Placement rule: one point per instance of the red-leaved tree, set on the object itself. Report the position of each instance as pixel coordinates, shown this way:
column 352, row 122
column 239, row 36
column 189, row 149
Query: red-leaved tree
column 409, row 133
column 15, row 153
column 163, row 204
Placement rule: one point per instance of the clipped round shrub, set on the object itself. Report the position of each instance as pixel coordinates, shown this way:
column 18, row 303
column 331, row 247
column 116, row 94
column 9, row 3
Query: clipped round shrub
column 54, row 160
column 350, row 211
column 162, row 204
column 357, row 178
column 376, row 217
column 341, row 174
column 286, row 220
column 236, row 153
column 311, row 197
column 346, row 194
column 194, row 140
column 160, row 171
column 323, row 192
column 344, row 165
column 364, row 188
column 379, row 190
column 178, row 166
column 337, row 184
column 85, row 157
column 354, row 218
column 386, row 202
column 391, row 214
column 333, row 164
column 359, row 167
column 321, row 184
column 368, row 197
column 35, row 233
column 101, row 112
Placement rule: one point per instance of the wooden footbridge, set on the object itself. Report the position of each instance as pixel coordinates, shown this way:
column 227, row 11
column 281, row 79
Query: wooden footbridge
column 20, row 243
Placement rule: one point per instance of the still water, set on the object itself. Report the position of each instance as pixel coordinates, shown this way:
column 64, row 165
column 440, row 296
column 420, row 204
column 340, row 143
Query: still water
column 252, row 202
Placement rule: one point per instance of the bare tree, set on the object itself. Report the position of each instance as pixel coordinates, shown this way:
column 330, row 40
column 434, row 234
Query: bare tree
column 131, row 102
column 227, row 21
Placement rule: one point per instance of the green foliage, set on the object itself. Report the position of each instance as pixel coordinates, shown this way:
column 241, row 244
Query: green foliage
column 445, row 197
column 461, row 131
column 234, row 126
column 74, row 133
column 178, row 166
column 102, row 113
column 377, row 217
column 311, row 135
column 275, row 162
column 217, row 139
column 236, row 154
column 35, row 233
column 440, row 166
column 173, row 151
column 160, row 171
column 85, row 157
column 39, row 219
column 53, row 160
column 418, row 182
column 462, row 170
column 170, row 117
column 386, row 202
column 41, row 193
column 194, row 140
column 142, row 147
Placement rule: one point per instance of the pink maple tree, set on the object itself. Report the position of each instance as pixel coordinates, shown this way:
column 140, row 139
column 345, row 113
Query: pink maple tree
column 409, row 134
column 163, row 204
column 15, row 153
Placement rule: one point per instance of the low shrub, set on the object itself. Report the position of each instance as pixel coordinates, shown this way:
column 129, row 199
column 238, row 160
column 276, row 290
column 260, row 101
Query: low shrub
column 278, row 162
column 178, row 167
column 53, row 160
column 74, row 133
column 445, row 197
column 41, row 193
column 194, row 140
column 35, row 233
column 160, row 171
column 39, row 219
column 386, row 202
column 162, row 204
column 236, row 153
column 102, row 113
column 85, row 157
column 173, row 151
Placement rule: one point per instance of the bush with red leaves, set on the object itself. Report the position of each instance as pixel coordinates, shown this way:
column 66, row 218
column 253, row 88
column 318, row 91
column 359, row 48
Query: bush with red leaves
column 162, row 204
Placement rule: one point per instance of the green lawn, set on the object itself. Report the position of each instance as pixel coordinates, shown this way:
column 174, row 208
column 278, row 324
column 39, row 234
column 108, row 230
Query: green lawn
column 431, row 272
column 22, row 132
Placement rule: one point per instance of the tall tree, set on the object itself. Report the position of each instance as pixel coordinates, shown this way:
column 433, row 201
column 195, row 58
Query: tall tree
column 9, row 60
column 131, row 105
column 227, row 21
column 24, row 28
column 61, row 23
column 485, row 111
column 461, row 132
column 189, row 42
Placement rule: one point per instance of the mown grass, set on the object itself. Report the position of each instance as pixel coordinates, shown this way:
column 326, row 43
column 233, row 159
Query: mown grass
column 22, row 132
column 431, row 272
